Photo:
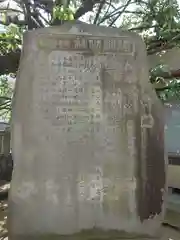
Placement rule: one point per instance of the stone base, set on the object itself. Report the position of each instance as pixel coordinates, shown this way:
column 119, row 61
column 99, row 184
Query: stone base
column 79, row 238
column 88, row 235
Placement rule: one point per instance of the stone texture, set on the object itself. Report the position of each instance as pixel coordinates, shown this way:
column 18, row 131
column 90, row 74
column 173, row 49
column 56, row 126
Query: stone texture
column 87, row 137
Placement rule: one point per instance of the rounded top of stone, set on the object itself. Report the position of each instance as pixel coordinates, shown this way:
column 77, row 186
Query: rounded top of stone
column 81, row 28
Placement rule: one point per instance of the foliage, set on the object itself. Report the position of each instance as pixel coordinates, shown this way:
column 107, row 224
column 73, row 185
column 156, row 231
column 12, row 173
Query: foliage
column 170, row 93
column 11, row 39
column 6, row 93
column 157, row 21
column 62, row 13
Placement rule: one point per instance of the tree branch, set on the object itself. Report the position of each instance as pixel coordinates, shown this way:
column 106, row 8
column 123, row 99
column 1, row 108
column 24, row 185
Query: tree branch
column 167, row 88
column 5, row 98
column 158, row 45
column 68, row 3
column 46, row 5
column 113, row 13
column 43, row 18
column 87, row 6
column 99, row 11
column 28, row 14
column 5, row 10
column 169, row 75
column 121, row 12
column 141, row 28
column 110, row 5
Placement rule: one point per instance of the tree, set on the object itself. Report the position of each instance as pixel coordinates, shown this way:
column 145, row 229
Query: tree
column 157, row 21
column 6, row 93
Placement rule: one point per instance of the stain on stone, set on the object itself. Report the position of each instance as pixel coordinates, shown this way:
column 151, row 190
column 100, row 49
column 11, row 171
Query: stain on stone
column 150, row 190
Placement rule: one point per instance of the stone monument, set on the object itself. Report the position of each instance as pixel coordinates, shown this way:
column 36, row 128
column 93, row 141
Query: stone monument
column 87, row 138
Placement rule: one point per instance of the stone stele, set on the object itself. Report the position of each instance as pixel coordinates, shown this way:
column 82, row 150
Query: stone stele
column 87, row 137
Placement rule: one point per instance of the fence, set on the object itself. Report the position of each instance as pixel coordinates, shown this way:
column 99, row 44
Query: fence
column 5, row 139
column 6, row 163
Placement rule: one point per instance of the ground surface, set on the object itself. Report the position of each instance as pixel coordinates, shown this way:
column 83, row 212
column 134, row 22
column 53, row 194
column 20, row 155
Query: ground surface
column 168, row 233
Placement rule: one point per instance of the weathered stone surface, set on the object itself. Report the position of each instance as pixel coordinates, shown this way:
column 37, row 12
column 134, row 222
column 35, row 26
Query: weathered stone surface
column 87, row 137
